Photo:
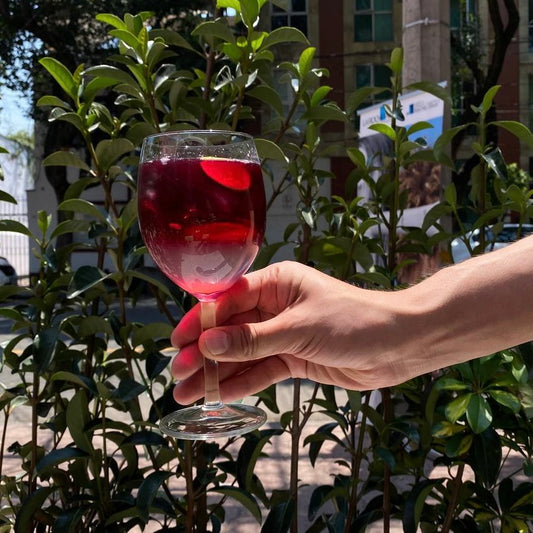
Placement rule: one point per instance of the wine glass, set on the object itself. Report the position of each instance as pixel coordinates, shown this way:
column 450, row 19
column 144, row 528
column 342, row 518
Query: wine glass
column 202, row 217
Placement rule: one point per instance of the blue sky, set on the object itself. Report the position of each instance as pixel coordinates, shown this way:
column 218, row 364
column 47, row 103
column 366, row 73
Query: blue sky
column 13, row 113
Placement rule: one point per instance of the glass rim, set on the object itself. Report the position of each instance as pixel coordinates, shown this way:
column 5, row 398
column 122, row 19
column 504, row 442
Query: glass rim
column 206, row 132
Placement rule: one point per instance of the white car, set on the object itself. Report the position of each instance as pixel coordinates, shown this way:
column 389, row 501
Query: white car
column 494, row 240
column 8, row 276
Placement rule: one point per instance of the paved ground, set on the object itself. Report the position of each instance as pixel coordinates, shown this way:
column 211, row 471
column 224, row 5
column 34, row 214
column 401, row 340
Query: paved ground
column 273, row 470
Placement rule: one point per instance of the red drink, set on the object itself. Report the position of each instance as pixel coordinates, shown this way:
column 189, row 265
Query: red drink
column 202, row 220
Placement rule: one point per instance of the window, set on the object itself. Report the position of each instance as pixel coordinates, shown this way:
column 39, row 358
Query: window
column 463, row 14
column 372, row 76
column 373, row 21
column 295, row 16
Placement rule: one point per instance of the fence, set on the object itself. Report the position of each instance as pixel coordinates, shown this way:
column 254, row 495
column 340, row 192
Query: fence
column 15, row 246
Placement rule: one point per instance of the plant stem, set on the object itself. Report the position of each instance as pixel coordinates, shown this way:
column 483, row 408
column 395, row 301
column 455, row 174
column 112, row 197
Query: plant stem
column 357, row 458
column 209, row 72
column 190, row 515
column 387, row 416
column 3, row 439
column 295, row 451
column 454, row 497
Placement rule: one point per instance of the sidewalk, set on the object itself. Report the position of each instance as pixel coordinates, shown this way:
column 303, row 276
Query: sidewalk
column 273, row 470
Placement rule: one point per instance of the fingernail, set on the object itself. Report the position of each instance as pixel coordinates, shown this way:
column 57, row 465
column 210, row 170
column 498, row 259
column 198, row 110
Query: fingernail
column 217, row 342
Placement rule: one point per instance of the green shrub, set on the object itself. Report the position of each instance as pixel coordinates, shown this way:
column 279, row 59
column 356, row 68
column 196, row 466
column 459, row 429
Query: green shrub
column 94, row 459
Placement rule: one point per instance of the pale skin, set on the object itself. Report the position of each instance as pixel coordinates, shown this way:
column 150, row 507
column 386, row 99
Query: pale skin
column 289, row 320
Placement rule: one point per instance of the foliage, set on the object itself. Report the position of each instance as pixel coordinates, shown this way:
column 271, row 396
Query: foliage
column 67, row 30
column 95, row 460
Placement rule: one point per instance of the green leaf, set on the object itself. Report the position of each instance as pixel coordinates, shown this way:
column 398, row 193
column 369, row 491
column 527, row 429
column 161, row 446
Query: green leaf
column 445, row 429
column 172, row 38
column 458, row 445
column 478, row 413
column 355, row 400
column 415, row 503
column 129, row 389
column 70, row 226
column 418, row 126
column 284, row 35
column 248, row 455
column 506, row 399
column 30, row 506
column 359, row 96
column 67, row 116
column 7, row 291
column 270, row 150
column 396, row 61
column 518, row 129
column 53, row 101
column 445, row 139
column 65, row 159
column 305, row 62
column 233, row 4
column 457, row 407
column 152, row 331
column 92, row 325
column 127, row 38
column 113, row 73
column 451, row 384
column 249, row 13
column 280, row 517
column 62, row 75
column 214, row 29
column 324, row 113
column 384, row 129
column 86, row 277
column 450, row 195
column 486, row 457
column 109, row 151
column 112, row 20
column 488, row 99
column 82, row 206
column 44, row 346
column 14, row 226
column 243, row 497
column 77, row 420
column 148, row 491
column 432, row 88
column 77, row 187
column 76, row 379
column 269, row 398
column 60, row 455
column 6, row 197
column 268, row 95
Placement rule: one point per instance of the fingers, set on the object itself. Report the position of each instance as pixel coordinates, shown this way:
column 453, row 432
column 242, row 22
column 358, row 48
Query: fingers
column 254, row 340
column 236, row 381
column 186, row 362
column 256, row 296
column 256, row 378
column 232, row 306
column 188, row 328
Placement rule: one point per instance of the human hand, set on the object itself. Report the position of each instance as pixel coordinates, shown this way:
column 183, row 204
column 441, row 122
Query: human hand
column 289, row 320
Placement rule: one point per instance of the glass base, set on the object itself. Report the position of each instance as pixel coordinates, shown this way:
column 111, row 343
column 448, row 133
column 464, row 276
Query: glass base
column 204, row 423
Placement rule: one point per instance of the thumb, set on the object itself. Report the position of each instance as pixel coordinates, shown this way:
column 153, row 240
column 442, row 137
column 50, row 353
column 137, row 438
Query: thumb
column 247, row 341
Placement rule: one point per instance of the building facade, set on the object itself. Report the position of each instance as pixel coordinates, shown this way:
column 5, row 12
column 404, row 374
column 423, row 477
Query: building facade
column 354, row 40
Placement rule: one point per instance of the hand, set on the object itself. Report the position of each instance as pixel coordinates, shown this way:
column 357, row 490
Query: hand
column 289, row 320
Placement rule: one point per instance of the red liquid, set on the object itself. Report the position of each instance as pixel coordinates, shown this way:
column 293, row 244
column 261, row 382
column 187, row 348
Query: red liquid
column 202, row 220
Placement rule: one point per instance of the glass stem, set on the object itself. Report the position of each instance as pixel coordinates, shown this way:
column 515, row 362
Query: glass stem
column 212, row 391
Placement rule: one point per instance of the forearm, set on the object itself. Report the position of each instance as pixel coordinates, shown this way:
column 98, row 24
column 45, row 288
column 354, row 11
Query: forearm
column 474, row 308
